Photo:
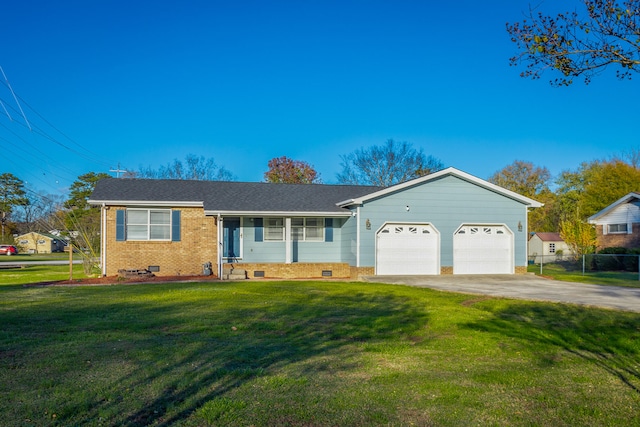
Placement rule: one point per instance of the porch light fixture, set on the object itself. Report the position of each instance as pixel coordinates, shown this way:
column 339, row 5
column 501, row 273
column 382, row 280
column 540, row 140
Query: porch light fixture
column 519, row 226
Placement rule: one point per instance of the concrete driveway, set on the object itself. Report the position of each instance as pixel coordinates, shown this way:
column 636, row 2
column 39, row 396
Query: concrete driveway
column 525, row 286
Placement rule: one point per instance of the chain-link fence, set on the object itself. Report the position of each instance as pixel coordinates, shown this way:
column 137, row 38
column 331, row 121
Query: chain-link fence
column 592, row 264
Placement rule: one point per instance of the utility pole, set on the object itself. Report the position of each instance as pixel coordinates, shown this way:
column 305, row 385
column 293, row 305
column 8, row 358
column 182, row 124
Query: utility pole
column 118, row 171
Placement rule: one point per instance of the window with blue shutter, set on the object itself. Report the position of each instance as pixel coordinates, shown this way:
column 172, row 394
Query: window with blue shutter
column 120, row 225
column 175, row 226
column 328, row 229
column 259, row 230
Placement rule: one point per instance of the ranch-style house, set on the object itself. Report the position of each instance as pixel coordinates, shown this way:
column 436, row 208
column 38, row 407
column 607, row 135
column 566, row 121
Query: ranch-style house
column 448, row 222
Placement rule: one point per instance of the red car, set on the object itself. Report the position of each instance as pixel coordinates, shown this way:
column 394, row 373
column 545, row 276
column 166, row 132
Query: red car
column 8, row 250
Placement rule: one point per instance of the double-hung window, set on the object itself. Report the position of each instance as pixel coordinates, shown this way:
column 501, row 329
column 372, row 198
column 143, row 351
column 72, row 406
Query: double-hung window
column 617, row 228
column 307, row 229
column 148, row 224
column 274, row 229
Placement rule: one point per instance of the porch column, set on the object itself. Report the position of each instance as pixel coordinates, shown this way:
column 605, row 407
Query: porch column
column 287, row 241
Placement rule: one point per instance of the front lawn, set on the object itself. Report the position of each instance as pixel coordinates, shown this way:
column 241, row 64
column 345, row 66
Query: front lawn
column 38, row 274
column 263, row 353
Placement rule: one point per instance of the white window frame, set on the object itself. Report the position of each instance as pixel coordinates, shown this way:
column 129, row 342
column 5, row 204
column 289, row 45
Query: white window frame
column 148, row 225
column 618, row 226
column 274, row 229
column 301, row 230
column 552, row 248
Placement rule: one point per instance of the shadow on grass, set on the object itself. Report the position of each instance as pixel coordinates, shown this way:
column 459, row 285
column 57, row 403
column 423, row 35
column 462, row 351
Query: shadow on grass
column 608, row 339
column 166, row 359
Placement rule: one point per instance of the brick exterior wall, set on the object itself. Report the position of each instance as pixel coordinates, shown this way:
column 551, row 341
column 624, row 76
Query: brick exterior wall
column 197, row 245
column 446, row 270
column 297, row 270
column 521, row 269
column 618, row 240
column 358, row 272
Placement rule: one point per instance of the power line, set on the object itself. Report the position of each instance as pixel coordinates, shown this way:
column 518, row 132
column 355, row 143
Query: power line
column 14, row 97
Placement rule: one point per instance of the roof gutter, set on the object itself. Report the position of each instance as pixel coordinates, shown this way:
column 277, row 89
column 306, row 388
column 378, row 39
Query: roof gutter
column 279, row 213
column 164, row 203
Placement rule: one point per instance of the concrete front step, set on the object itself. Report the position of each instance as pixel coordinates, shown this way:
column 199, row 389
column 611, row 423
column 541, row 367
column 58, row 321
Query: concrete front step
column 234, row 274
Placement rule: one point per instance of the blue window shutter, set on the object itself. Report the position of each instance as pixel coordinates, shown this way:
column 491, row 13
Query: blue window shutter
column 120, row 225
column 257, row 222
column 328, row 229
column 175, row 226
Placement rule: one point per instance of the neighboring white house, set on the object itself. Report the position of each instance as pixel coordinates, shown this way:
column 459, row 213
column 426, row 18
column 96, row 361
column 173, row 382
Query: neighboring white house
column 548, row 247
column 618, row 225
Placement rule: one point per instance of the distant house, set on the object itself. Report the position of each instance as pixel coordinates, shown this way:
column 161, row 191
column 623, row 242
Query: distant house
column 548, row 247
column 448, row 222
column 618, row 225
column 40, row 243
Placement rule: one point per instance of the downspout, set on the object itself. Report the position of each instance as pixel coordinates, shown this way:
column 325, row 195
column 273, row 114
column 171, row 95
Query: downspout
column 287, row 238
column 358, row 236
column 219, row 251
column 526, row 241
column 103, row 239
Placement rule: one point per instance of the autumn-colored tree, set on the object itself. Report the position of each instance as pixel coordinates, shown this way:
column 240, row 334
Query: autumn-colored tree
column 385, row 165
column 523, row 178
column 531, row 181
column 595, row 185
column 284, row 170
column 583, row 44
column 579, row 235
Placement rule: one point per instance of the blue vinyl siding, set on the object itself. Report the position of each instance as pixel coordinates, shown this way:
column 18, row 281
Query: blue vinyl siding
column 258, row 250
column 447, row 203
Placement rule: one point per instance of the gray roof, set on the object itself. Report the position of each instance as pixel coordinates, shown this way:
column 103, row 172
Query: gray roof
column 227, row 196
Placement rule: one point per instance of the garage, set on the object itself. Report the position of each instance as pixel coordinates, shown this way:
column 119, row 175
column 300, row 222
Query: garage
column 483, row 249
column 404, row 248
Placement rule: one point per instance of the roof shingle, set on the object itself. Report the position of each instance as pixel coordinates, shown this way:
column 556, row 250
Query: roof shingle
column 228, row 196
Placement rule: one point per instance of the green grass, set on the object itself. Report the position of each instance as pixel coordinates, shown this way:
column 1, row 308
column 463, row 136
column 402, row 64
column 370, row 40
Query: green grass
column 609, row 278
column 310, row 354
column 58, row 256
column 39, row 273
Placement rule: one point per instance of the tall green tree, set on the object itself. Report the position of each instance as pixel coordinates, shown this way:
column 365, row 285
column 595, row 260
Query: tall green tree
column 83, row 220
column 12, row 194
column 386, row 165
column 287, row 171
column 580, row 44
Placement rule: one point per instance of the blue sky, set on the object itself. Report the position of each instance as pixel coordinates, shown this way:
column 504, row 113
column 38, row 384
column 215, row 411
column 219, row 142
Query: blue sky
column 142, row 83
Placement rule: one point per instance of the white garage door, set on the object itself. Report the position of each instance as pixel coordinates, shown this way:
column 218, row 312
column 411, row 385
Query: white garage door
column 407, row 249
column 483, row 249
